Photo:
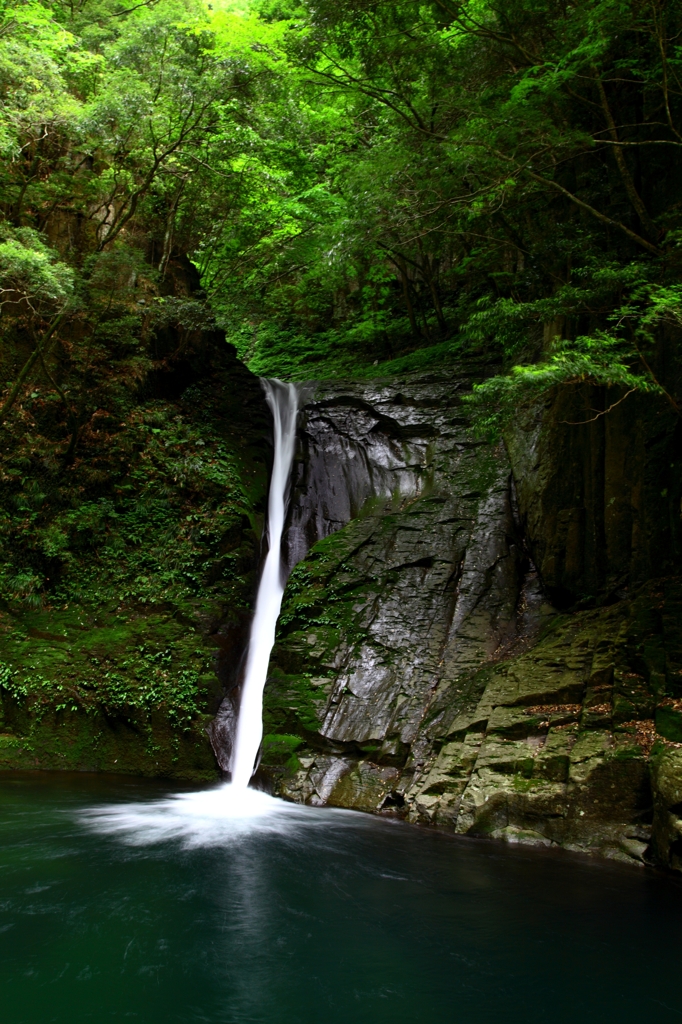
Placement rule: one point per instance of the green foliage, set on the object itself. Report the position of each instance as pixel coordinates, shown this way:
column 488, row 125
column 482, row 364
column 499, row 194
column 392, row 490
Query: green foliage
column 468, row 172
column 358, row 182
column 171, row 490
column 619, row 356
column 31, row 275
column 109, row 573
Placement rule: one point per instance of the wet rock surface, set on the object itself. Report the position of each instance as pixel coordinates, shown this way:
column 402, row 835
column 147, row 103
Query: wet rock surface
column 420, row 668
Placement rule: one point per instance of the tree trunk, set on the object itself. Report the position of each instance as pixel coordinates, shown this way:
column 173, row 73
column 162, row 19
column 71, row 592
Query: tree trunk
column 408, row 298
column 633, row 194
column 38, row 351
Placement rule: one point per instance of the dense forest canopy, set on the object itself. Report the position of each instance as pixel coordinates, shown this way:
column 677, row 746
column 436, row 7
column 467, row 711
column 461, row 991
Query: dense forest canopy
column 355, row 182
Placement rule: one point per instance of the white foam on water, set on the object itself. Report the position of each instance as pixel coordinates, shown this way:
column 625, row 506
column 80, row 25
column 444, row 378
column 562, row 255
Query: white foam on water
column 210, row 817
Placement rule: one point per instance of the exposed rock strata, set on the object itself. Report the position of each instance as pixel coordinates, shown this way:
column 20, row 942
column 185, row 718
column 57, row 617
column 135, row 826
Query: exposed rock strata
column 419, row 667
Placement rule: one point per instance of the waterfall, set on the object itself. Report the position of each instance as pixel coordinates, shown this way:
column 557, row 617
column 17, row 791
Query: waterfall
column 283, row 401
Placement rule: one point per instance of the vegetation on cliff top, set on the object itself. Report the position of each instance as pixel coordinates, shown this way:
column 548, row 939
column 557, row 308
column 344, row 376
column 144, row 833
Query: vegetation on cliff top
column 356, row 183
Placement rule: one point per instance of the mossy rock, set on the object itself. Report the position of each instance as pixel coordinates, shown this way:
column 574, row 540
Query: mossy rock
column 669, row 723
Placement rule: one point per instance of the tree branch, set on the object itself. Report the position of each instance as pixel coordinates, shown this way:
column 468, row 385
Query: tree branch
column 28, row 366
column 581, row 423
column 626, row 177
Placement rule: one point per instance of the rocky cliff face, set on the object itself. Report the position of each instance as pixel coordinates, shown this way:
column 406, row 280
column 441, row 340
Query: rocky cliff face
column 422, row 667
column 599, row 494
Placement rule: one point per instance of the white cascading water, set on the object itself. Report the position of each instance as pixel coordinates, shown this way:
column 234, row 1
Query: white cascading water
column 283, row 401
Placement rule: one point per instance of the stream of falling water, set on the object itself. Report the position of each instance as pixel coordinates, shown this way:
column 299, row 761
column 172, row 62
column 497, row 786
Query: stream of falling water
column 232, row 810
column 283, row 401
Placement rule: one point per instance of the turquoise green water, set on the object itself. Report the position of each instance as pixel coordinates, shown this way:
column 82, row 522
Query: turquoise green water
column 158, row 911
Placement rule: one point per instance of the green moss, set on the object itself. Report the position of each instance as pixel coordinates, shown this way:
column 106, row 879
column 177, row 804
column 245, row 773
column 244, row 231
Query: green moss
column 73, row 741
column 625, row 753
column 280, row 751
column 291, row 705
column 523, row 784
column 669, row 723
column 110, row 579
column 657, row 751
column 361, row 348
